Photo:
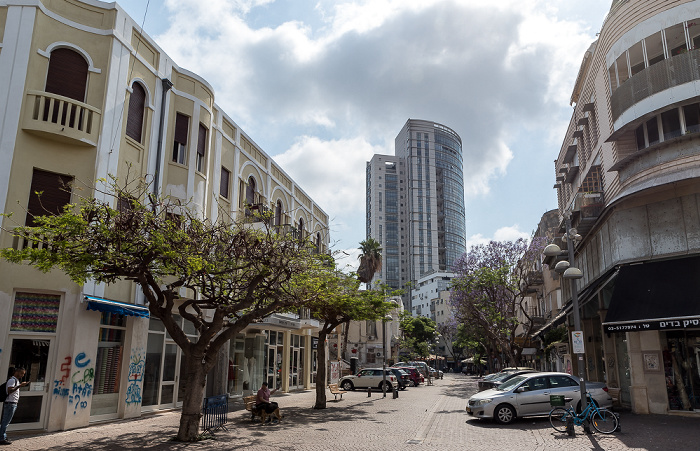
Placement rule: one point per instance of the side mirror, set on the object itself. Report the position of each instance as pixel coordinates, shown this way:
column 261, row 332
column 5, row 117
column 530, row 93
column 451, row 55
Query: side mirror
column 521, row 389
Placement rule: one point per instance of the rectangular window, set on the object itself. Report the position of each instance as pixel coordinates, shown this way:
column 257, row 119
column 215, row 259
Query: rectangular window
column 636, row 58
column 655, row 48
column 692, row 118
column 182, row 124
column 225, row 182
column 35, row 312
column 55, row 194
column 675, row 39
column 652, row 131
column 110, row 354
column 201, row 148
column 671, row 123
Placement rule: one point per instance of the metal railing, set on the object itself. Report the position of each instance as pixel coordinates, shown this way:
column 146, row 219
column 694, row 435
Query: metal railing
column 674, row 71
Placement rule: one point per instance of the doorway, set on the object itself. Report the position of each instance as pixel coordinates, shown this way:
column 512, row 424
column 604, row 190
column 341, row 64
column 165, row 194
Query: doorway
column 31, row 353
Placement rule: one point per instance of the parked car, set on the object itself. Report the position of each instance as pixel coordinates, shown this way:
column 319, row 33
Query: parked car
column 528, row 395
column 414, row 375
column 499, row 378
column 403, row 379
column 422, row 367
column 368, row 377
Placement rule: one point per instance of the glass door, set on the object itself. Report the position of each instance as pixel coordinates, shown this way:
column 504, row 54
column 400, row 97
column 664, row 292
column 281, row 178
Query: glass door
column 32, row 354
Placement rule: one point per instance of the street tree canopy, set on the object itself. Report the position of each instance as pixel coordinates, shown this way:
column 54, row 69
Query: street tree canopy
column 232, row 274
column 490, row 291
column 417, row 334
column 370, row 259
column 335, row 298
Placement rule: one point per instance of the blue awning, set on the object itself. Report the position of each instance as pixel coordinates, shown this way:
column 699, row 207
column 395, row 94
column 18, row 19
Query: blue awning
column 120, row 308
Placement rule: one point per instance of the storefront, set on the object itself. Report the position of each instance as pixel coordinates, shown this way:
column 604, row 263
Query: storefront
column 654, row 317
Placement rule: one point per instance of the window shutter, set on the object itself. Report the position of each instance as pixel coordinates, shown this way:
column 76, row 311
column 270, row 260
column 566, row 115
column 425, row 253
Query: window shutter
column 225, row 180
column 202, row 139
column 67, row 74
column 137, row 105
column 181, row 124
column 55, row 194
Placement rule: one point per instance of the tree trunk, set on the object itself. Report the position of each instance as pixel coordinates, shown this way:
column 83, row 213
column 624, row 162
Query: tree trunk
column 195, row 374
column 321, row 371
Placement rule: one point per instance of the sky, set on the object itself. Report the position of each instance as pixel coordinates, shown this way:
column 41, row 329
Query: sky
column 323, row 85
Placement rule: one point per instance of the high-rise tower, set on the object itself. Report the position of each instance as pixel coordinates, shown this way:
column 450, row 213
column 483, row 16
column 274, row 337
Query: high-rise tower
column 415, row 203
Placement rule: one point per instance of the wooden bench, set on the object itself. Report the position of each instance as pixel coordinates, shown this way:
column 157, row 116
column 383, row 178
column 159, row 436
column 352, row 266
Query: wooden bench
column 335, row 391
column 250, row 403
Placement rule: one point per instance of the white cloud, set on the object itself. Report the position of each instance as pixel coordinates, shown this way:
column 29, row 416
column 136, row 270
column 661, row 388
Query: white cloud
column 323, row 93
column 508, row 233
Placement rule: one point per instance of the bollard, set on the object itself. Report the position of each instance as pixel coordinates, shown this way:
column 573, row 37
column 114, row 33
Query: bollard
column 396, row 391
column 570, row 426
column 369, row 392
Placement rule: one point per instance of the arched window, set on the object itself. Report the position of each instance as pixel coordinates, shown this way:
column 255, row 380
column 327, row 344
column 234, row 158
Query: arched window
column 278, row 213
column 67, row 77
column 301, row 228
column 250, row 191
column 318, row 241
column 67, row 74
column 137, row 105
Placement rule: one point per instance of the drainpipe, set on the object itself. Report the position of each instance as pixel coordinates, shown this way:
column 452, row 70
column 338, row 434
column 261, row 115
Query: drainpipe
column 167, row 84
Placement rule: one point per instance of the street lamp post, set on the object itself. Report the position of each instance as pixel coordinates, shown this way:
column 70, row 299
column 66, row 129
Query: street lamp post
column 384, row 321
column 572, row 273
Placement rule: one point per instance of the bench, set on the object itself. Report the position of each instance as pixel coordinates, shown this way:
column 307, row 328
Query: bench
column 335, row 391
column 250, row 403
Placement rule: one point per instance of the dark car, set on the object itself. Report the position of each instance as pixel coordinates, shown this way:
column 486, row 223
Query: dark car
column 415, row 378
column 500, row 378
column 402, row 377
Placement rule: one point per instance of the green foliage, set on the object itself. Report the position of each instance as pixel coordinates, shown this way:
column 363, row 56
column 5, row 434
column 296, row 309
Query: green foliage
column 418, row 334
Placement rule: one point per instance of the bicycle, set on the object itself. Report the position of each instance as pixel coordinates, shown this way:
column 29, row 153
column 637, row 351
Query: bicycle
column 602, row 419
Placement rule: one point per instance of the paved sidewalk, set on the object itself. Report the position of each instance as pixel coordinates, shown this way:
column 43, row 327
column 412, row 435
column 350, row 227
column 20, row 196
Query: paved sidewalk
column 422, row 418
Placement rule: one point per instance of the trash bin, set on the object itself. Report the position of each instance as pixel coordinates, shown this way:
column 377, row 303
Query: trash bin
column 557, row 400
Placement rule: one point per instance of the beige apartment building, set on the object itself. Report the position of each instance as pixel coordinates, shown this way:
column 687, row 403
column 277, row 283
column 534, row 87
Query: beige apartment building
column 628, row 174
column 85, row 95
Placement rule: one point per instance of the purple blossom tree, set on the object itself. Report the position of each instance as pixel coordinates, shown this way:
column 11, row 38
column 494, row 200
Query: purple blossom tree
column 491, row 288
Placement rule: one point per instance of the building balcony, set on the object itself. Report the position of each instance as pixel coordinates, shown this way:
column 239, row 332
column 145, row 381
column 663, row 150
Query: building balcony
column 534, row 279
column 62, row 119
column 666, row 74
column 587, row 208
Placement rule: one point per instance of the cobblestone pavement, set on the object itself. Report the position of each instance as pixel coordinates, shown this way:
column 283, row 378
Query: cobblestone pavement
column 422, row 418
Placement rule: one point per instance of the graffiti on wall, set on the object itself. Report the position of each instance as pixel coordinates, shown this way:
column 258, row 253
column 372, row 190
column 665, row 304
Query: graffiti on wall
column 77, row 387
column 135, row 377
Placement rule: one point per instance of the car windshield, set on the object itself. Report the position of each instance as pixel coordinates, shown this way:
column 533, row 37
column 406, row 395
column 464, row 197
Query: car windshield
column 502, row 377
column 511, row 383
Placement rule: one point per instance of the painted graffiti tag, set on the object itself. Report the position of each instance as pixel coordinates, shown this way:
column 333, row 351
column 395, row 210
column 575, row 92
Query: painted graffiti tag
column 78, row 387
column 80, row 361
column 65, row 369
column 135, row 376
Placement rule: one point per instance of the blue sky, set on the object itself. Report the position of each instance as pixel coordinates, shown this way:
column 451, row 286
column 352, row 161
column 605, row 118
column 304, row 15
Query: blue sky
column 322, row 85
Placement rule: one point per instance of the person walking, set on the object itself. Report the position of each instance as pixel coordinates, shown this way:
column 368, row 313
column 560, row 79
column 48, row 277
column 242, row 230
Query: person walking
column 10, row 405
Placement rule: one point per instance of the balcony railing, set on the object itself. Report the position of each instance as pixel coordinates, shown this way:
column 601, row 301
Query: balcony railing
column 61, row 118
column 588, row 207
column 674, row 71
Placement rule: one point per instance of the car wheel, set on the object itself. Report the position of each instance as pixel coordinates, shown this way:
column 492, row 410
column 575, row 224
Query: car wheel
column 347, row 386
column 504, row 414
column 388, row 386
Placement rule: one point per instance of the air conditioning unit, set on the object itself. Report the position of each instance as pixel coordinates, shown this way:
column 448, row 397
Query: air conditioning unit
column 379, row 354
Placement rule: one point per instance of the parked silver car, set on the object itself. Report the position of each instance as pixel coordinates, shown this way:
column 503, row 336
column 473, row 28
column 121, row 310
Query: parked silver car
column 528, row 395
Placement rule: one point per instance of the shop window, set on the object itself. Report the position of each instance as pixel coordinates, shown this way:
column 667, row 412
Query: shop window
column 137, row 108
column 182, row 124
column 671, row 124
column 108, row 364
column 681, row 357
column 691, row 113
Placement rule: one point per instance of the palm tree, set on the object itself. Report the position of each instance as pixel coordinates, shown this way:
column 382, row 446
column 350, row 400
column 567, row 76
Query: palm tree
column 370, row 260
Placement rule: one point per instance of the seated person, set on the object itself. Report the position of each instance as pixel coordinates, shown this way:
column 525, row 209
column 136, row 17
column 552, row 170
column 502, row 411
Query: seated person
column 263, row 401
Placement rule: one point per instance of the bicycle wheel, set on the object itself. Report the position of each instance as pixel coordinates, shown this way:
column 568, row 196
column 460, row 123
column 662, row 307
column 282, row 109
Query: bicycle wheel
column 604, row 421
column 557, row 418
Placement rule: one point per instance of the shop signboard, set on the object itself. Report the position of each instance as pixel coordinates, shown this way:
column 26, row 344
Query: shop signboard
column 654, row 324
column 577, row 342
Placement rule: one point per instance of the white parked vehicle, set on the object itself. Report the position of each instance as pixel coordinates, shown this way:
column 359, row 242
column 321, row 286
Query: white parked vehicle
column 369, row 377
column 528, row 395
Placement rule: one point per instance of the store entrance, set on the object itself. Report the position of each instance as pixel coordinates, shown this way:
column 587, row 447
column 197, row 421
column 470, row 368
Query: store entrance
column 682, row 370
column 32, row 354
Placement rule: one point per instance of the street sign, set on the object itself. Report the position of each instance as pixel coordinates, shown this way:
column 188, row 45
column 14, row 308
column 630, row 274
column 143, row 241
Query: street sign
column 577, row 342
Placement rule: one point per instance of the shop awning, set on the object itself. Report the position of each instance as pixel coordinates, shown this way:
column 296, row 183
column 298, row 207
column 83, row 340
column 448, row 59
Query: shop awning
column 120, row 308
column 656, row 296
